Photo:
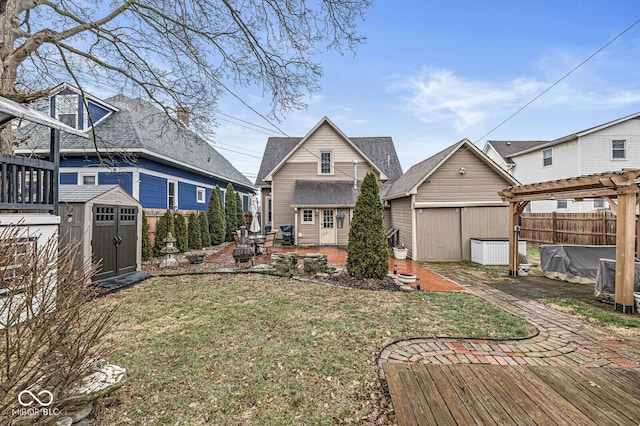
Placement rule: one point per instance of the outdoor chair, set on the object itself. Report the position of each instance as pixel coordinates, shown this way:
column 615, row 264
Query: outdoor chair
column 236, row 238
column 269, row 241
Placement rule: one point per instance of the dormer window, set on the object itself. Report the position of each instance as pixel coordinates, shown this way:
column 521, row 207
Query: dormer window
column 325, row 163
column 67, row 110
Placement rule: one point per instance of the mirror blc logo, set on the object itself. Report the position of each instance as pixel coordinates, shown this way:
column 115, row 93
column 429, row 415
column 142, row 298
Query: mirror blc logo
column 44, row 398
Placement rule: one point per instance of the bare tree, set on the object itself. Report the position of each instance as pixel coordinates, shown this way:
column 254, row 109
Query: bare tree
column 177, row 53
column 50, row 331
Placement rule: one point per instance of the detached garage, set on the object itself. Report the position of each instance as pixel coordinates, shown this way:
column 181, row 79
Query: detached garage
column 443, row 202
column 108, row 223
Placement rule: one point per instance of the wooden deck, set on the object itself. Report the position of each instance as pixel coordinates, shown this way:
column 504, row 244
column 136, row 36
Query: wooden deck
column 429, row 394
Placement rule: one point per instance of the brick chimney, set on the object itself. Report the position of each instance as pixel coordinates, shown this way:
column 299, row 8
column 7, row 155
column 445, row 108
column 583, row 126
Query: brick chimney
column 183, row 115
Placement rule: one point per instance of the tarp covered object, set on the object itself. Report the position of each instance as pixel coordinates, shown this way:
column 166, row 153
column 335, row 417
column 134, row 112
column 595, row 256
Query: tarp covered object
column 579, row 261
column 606, row 279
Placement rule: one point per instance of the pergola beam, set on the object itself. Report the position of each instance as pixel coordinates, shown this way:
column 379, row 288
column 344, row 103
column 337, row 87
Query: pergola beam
column 622, row 186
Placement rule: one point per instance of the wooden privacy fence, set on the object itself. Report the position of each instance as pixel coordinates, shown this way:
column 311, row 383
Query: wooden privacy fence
column 595, row 228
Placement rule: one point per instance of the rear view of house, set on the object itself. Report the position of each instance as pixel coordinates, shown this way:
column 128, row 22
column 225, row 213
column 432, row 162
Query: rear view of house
column 439, row 204
column 312, row 183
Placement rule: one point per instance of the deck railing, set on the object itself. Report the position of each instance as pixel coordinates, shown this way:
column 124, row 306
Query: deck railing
column 28, row 184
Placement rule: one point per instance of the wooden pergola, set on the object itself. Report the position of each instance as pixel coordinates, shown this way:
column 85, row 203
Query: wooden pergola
column 620, row 189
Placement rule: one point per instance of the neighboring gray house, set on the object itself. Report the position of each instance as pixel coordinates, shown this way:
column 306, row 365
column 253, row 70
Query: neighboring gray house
column 313, row 182
column 439, row 204
column 161, row 163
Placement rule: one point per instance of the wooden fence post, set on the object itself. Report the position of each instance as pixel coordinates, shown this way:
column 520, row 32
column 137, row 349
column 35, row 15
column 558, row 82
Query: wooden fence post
column 554, row 227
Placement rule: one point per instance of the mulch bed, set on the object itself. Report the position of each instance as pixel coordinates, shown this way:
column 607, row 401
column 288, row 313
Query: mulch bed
column 219, row 257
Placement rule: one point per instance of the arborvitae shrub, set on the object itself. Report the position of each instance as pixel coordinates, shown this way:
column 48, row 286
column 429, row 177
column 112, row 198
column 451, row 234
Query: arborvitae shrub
column 146, row 241
column 195, row 234
column 217, row 222
column 204, row 229
column 181, row 233
column 230, row 212
column 367, row 249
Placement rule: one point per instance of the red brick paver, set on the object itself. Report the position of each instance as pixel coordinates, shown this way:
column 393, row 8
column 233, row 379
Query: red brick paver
column 562, row 340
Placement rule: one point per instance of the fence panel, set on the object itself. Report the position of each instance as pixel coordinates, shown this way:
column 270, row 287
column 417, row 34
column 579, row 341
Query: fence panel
column 594, row 228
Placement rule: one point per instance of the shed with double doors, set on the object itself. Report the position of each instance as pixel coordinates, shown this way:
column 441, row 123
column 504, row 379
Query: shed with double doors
column 107, row 222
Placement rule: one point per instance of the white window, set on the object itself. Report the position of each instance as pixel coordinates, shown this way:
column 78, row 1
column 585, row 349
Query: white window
column 307, row 216
column 561, row 204
column 619, row 149
column 325, row 163
column 172, row 194
column 88, row 179
column 67, row 109
column 547, row 157
column 201, row 194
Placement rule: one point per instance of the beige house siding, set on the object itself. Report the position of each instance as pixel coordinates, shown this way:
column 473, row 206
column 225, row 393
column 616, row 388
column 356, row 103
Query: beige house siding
column 447, row 184
column 482, row 222
column 386, row 218
column 325, row 138
column 401, row 219
column 343, row 234
column 307, row 233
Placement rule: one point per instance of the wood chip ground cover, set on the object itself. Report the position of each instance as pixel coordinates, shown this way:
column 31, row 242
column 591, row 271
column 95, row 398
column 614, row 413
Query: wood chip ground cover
column 255, row 349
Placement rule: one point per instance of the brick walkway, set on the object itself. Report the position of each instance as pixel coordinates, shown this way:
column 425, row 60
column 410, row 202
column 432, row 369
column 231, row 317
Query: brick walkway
column 563, row 340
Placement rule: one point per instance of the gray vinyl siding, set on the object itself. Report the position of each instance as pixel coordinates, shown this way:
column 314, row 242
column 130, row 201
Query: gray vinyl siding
column 479, row 183
column 401, row 219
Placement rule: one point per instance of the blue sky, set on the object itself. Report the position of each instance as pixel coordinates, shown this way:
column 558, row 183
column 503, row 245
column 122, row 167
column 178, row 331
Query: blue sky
column 434, row 72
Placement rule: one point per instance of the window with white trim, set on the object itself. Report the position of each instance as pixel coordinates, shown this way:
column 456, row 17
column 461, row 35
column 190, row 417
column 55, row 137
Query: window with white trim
column 307, row 216
column 562, row 204
column 619, row 149
column 325, row 163
column 67, row 110
column 88, row 179
column 172, row 194
column 201, row 195
column 547, row 157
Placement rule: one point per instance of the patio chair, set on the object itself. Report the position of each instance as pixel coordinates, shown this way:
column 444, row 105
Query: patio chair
column 269, row 241
column 236, row 238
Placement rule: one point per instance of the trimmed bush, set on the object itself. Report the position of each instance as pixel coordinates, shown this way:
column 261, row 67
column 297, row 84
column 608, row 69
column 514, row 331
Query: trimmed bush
column 195, row 234
column 147, row 251
column 217, row 221
column 181, row 233
column 230, row 212
column 239, row 212
column 164, row 225
column 204, row 229
column 367, row 249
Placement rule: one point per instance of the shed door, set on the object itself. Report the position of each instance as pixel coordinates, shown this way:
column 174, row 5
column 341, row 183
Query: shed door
column 114, row 240
column 439, row 234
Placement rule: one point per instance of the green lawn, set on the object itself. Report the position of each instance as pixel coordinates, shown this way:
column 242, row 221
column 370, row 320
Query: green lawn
column 251, row 349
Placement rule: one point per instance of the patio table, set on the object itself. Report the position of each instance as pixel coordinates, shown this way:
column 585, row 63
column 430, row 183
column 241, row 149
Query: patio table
column 256, row 240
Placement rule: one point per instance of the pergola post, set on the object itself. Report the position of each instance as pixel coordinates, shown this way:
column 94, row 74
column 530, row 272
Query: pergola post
column 625, row 251
column 515, row 210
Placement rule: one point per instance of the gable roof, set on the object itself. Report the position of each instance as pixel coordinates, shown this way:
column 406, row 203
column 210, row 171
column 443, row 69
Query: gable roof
column 10, row 109
column 529, row 146
column 84, row 193
column 409, row 182
column 379, row 150
column 508, row 148
column 138, row 127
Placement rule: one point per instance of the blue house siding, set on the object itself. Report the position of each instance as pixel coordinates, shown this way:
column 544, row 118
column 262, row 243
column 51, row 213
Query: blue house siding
column 124, row 179
column 152, row 189
column 68, row 178
column 153, row 192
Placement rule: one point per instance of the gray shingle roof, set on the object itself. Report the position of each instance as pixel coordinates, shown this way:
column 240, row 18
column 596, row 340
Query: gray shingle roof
column 139, row 126
column 314, row 193
column 507, row 148
column 380, row 150
column 82, row 193
column 417, row 172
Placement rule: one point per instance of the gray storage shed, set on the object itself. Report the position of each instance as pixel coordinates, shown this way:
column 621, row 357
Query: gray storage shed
column 107, row 221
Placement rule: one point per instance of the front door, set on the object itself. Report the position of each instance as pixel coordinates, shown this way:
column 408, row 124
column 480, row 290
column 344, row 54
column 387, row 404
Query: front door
column 328, row 229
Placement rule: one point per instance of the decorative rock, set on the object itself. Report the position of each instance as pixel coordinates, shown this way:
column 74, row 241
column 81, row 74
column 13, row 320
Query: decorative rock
column 81, row 412
column 286, row 263
column 405, row 287
column 314, row 263
column 322, row 275
column 263, row 267
column 83, row 422
column 65, row 421
column 101, row 382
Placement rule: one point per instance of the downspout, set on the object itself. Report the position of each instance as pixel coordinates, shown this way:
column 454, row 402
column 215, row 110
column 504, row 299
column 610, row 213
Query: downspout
column 414, row 240
column 355, row 174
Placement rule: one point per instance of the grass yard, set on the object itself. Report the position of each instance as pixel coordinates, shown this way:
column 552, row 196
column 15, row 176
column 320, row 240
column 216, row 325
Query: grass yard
column 253, row 349
column 600, row 316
